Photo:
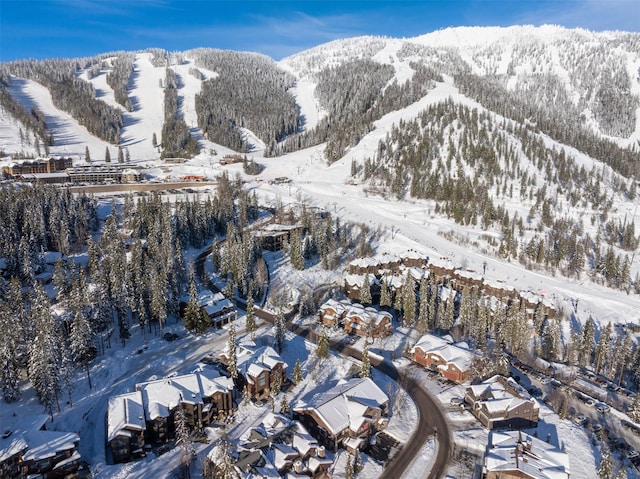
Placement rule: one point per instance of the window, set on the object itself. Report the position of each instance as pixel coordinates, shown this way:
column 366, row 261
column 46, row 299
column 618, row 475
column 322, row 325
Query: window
column 262, row 380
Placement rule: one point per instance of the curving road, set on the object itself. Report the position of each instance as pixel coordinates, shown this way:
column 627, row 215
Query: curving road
column 431, row 419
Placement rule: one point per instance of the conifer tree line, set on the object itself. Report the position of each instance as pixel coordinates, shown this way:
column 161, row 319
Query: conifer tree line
column 118, row 78
column 250, row 91
column 176, row 138
column 492, row 326
column 432, row 157
column 70, row 93
column 137, row 281
column 33, row 121
column 355, row 94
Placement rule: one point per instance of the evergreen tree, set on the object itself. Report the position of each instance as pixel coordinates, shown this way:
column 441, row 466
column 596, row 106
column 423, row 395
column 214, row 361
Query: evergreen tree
column 45, row 354
column 634, row 409
column 296, row 253
column 297, row 372
column 250, row 318
column 285, row 407
column 231, row 350
column 322, row 350
column 365, row 292
column 222, row 463
column 602, row 348
column 408, row 301
column 9, row 359
column 423, row 307
column 385, row 293
column 87, row 155
column 280, row 330
column 107, row 155
column 605, row 469
column 183, row 440
column 348, row 468
column 154, row 140
column 365, row 367
column 81, row 346
column 120, row 155
column 586, row 343
column 192, row 312
column 275, row 385
column 357, row 462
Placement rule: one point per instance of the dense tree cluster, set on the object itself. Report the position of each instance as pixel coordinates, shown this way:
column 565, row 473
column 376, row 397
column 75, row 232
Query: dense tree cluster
column 176, row 138
column 251, row 92
column 432, row 157
column 33, row 121
column 138, row 279
column 71, row 94
column 118, row 78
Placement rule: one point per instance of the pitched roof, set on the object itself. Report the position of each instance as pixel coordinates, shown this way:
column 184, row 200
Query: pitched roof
column 125, row 412
column 344, row 404
column 252, row 362
column 516, row 451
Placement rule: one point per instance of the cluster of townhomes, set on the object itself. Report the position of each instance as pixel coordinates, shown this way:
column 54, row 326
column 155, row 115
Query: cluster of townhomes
column 395, row 269
column 502, row 406
column 355, row 318
column 147, row 415
column 28, row 449
column 343, row 414
column 207, row 395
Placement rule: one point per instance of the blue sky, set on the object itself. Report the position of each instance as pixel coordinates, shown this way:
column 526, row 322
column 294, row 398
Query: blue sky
column 78, row 28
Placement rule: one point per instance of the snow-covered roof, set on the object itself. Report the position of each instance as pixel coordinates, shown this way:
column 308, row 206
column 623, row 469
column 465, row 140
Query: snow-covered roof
column 369, row 315
column 430, row 342
column 468, row 274
column 357, row 280
column 125, row 412
column 517, row 451
column 18, row 428
column 252, row 362
column 338, row 306
column 44, row 444
column 458, row 354
column 343, row 405
column 501, row 394
column 161, row 396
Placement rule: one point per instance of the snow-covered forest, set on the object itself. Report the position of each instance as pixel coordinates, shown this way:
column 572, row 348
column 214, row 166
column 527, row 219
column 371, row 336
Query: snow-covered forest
column 512, row 151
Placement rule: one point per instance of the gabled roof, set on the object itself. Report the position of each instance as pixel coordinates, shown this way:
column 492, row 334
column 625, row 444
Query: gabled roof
column 516, row 451
column 343, row 405
column 252, row 362
column 161, row 396
column 44, row 444
column 125, row 412
column 501, row 394
column 18, row 427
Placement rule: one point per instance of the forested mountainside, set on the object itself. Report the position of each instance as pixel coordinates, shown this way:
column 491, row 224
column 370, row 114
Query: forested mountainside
column 579, row 87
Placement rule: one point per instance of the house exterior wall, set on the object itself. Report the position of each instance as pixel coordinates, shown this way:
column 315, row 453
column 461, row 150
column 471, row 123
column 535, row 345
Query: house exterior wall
column 515, row 474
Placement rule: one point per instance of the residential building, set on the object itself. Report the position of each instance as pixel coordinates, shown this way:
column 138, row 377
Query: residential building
column 451, row 360
column 272, row 237
column 126, row 427
column 367, row 321
column 332, row 312
column 28, row 449
column 516, row 455
column 347, row 413
column 500, row 402
column 217, row 307
column 260, row 369
column 203, row 395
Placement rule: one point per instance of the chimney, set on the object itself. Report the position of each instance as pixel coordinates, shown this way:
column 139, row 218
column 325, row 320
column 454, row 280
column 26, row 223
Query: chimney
column 321, row 452
column 298, row 467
